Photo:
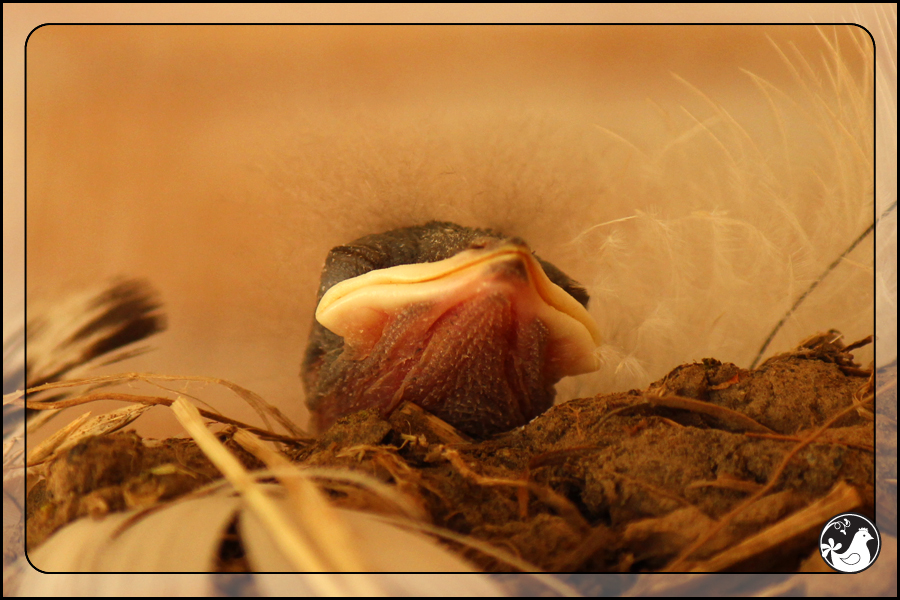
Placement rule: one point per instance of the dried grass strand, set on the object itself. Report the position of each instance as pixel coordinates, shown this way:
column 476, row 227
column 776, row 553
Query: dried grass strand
column 156, row 401
column 304, row 556
column 263, row 408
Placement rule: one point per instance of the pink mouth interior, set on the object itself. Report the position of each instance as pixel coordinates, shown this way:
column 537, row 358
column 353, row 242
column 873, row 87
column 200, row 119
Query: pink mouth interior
column 478, row 357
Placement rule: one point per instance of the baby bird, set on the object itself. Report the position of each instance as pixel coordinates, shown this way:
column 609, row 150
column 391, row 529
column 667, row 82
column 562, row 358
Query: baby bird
column 466, row 323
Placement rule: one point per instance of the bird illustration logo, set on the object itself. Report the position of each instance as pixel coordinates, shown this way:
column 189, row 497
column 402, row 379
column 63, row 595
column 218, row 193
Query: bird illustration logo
column 859, row 554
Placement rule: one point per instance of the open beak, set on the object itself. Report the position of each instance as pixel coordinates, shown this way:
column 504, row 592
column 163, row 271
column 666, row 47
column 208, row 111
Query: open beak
column 358, row 309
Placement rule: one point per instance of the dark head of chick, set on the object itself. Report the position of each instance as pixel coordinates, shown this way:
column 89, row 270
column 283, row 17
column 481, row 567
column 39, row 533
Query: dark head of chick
column 466, row 323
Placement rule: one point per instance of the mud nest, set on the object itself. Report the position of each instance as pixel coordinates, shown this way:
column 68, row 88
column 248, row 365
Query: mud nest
column 712, row 468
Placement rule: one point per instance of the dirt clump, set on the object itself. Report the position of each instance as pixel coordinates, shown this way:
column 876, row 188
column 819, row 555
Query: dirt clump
column 713, row 468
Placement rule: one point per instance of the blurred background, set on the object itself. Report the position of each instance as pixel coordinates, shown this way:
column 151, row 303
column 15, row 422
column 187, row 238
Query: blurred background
column 697, row 180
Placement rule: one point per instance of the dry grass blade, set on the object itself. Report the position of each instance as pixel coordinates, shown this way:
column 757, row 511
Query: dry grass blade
column 83, row 427
column 310, row 507
column 262, row 408
column 362, row 481
column 153, row 401
column 842, row 498
column 732, row 418
column 50, row 445
column 302, row 555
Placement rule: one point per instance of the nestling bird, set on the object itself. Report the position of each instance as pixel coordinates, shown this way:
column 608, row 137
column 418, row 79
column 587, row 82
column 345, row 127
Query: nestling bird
column 467, row 323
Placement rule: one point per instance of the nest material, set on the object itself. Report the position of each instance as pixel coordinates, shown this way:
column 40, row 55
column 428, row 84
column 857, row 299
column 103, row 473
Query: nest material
column 712, row 468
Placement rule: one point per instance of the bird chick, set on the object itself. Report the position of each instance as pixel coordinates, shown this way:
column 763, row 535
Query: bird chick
column 466, row 323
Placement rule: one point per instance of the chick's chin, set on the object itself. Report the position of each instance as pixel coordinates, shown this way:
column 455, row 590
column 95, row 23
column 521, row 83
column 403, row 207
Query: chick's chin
column 476, row 365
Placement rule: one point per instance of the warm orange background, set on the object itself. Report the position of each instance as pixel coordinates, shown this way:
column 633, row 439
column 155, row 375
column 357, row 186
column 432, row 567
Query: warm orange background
column 222, row 163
